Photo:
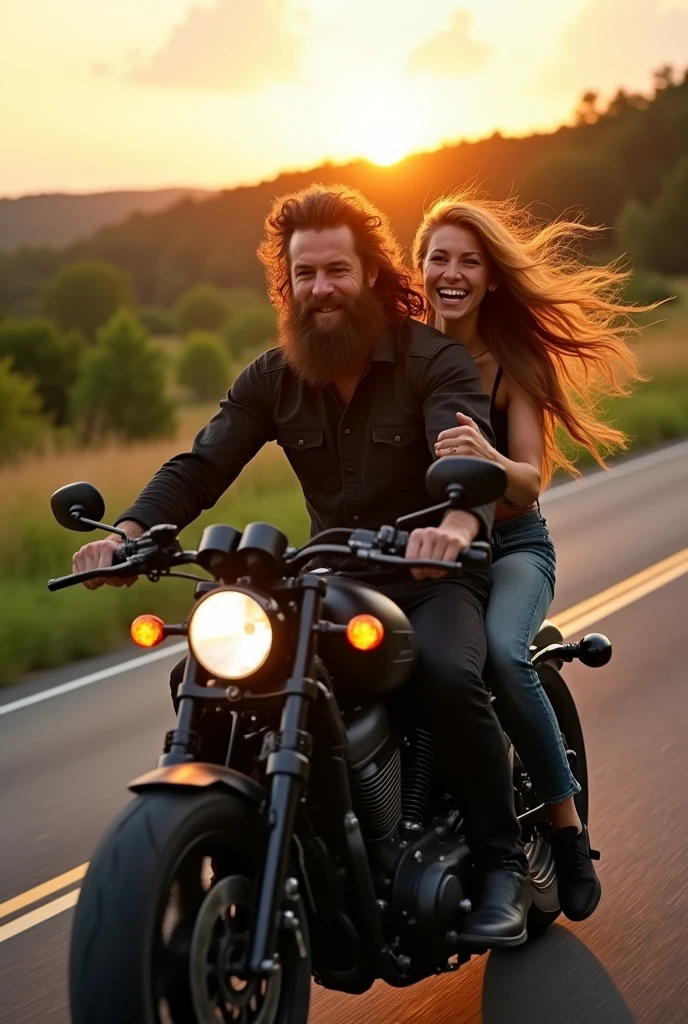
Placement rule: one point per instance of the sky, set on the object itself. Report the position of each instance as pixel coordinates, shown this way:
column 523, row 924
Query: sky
column 105, row 94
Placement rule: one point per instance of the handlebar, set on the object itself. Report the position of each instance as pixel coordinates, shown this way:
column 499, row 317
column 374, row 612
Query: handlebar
column 142, row 556
column 120, row 570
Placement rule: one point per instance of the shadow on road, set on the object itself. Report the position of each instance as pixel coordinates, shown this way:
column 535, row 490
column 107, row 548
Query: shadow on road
column 557, row 980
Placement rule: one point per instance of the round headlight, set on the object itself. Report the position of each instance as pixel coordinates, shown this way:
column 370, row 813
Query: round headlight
column 230, row 634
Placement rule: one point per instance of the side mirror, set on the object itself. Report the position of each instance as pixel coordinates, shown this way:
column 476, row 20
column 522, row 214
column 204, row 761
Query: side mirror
column 472, row 481
column 78, row 507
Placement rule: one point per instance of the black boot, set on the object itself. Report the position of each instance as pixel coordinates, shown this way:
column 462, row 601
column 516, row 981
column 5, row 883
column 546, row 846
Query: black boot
column 577, row 881
column 500, row 918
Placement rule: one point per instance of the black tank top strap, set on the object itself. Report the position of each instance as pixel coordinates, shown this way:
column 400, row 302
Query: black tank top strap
column 498, row 419
column 495, row 386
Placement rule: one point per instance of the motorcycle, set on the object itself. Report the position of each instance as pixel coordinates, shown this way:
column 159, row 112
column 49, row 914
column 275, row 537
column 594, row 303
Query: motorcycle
column 297, row 826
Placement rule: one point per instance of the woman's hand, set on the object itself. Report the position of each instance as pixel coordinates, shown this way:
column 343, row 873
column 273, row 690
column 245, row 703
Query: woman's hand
column 465, row 439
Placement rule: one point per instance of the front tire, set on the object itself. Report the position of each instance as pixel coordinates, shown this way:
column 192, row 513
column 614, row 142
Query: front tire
column 165, row 912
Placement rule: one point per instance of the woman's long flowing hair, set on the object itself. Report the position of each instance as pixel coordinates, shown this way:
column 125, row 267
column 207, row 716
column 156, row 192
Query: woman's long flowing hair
column 557, row 325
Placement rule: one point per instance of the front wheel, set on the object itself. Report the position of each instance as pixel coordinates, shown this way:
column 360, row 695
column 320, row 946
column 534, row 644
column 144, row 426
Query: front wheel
column 164, row 918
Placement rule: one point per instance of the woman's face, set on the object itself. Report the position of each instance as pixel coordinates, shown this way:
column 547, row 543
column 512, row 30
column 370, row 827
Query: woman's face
column 456, row 271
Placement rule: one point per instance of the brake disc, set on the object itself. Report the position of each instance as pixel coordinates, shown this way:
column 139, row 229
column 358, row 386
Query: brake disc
column 219, row 945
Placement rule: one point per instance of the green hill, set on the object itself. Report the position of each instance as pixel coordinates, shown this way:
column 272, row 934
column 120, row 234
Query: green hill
column 59, row 219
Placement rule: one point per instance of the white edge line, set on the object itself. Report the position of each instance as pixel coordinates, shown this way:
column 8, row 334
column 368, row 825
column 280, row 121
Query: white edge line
column 39, row 915
column 561, row 491
column 673, row 451
column 93, row 677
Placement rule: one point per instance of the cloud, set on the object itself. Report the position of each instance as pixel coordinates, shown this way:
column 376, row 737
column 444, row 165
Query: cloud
column 232, row 46
column 614, row 43
column 452, row 52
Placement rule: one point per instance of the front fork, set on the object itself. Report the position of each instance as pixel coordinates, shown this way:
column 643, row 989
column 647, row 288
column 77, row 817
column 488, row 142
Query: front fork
column 287, row 770
column 287, row 774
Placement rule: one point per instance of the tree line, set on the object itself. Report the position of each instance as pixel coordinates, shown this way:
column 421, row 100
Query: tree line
column 87, row 367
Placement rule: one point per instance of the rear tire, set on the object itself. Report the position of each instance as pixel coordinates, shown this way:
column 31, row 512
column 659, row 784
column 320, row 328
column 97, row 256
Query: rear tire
column 177, row 873
column 545, row 907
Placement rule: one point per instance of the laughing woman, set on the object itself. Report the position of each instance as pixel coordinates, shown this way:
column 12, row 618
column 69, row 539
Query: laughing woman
column 549, row 337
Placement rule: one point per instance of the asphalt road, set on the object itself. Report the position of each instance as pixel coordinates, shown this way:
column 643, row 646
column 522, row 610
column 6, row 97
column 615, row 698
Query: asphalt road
column 66, row 761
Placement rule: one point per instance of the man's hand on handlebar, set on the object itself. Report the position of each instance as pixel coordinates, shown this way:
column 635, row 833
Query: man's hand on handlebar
column 99, row 555
column 442, row 543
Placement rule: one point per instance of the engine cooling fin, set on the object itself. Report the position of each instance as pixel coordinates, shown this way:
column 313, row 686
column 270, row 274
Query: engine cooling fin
column 377, row 798
column 418, row 777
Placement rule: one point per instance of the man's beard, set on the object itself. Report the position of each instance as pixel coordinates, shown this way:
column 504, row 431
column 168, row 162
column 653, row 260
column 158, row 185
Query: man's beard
column 322, row 353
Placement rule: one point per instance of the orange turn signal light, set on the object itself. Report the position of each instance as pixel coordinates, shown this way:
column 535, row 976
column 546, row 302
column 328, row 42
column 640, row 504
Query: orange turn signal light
column 147, row 630
column 365, row 632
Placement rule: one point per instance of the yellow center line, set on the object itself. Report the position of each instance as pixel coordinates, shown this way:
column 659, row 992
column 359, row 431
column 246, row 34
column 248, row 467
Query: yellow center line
column 39, row 915
column 621, row 594
column 570, row 622
column 25, row 899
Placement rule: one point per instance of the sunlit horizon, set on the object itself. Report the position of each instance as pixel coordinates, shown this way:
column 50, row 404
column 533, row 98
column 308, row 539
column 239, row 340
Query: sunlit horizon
column 218, row 94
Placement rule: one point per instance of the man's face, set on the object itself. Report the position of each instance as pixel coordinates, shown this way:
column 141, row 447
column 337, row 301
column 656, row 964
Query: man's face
column 326, row 273
column 333, row 319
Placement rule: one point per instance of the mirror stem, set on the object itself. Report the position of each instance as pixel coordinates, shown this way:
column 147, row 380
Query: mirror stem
column 76, row 514
column 454, row 495
column 403, row 521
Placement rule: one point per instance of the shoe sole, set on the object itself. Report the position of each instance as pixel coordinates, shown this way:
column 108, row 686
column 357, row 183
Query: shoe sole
column 593, row 908
column 477, row 943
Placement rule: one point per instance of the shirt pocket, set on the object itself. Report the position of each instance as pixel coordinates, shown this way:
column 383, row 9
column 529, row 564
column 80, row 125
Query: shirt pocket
column 400, row 450
column 306, row 451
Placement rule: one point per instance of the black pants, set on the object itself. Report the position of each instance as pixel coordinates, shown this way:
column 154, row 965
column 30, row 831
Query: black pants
column 448, row 620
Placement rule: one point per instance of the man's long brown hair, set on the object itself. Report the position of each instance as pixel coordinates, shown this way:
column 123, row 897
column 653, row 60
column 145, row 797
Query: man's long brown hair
column 319, row 207
column 557, row 325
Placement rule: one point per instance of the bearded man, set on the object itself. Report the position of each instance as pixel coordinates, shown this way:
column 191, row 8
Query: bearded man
column 356, row 393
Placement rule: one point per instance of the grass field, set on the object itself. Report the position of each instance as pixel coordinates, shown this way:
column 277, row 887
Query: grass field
column 39, row 629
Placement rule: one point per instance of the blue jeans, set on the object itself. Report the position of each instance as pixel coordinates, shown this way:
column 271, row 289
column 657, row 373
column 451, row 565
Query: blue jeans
column 523, row 574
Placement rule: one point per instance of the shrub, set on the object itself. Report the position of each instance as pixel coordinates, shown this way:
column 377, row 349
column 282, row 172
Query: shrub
column 655, row 235
column 201, row 308
column 203, row 367
column 666, row 243
column 22, row 425
column 84, row 295
column 38, row 351
column 156, row 320
column 633, row 225
column 251, row 328
column 121, row 389
column 239, row 299
column 644, row 287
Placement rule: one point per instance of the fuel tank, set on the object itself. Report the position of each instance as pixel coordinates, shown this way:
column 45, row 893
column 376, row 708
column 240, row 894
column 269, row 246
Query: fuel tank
column 361, row 673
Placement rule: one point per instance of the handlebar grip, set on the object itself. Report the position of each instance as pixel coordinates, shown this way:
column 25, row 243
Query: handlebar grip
column 477, row 556
column 121, row 554
column 64, row 581
column 91, row 574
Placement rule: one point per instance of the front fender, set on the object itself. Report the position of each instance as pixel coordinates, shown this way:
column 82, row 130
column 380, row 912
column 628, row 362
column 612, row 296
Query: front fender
column 199, row 775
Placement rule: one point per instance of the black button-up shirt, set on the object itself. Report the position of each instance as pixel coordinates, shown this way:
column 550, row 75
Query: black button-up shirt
column 363, row 465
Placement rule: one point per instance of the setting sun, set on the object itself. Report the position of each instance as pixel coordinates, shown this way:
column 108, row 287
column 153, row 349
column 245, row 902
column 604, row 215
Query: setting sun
column 385, row 152
column 380, row 120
